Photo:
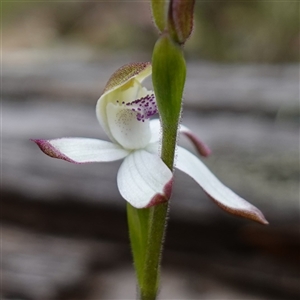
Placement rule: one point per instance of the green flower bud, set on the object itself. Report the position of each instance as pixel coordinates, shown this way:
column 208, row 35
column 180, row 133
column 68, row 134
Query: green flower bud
column 159, row 12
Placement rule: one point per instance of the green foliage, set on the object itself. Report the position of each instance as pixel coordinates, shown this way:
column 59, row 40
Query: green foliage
column 157, row 225
column 138, row 220
column 146, row 230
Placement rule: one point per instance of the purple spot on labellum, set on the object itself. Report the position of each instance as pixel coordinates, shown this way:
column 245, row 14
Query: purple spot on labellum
column 144, row 107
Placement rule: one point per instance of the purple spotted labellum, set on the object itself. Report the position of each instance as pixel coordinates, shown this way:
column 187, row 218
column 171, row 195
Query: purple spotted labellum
column 124, row 111
column 144, row 107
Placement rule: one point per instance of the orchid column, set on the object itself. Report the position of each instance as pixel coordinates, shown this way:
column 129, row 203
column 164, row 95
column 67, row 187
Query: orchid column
column 174, row 19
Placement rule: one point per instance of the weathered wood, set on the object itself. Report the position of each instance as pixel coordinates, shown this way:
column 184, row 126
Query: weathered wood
column 264, row 89
column 249, row 154
column 39, row 266
column 238, row 111
column 42, row 266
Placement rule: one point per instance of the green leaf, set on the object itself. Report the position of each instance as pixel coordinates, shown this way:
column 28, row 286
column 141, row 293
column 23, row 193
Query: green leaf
column 159, row 12
column 138, row 220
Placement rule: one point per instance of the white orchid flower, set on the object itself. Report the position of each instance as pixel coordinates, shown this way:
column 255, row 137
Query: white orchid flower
column 124, row 112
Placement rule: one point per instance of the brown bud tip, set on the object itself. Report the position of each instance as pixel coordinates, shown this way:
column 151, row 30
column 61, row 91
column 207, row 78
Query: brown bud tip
column 181, row 18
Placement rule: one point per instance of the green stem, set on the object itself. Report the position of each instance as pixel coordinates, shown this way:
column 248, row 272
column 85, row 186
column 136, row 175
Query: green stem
column 157, row 225
column 146, row 230
column 147, row 227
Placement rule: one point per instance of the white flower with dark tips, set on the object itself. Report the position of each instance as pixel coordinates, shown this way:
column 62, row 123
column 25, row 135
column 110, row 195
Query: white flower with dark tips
column 124, row 111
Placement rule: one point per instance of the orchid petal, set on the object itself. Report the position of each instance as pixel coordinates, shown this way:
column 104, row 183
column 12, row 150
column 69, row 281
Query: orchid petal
column 81, row 150
column 144, row 180
column 123, row 86
column 154, row 148
column 126, row 129
column 219, row 193
column 155, row 128
column 199, row 145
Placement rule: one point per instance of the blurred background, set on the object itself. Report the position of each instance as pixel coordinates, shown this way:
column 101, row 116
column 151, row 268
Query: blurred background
column 64, row 231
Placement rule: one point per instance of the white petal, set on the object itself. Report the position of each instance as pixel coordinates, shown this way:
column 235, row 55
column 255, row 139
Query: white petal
column 155, row 129
column 82, row 150
column 126, row 129
column 144, row 180
column 123, row 85
column 127, row 92
column 223, row 196
column 154, row 148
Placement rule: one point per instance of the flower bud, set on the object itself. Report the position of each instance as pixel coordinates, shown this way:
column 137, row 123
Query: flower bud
column 159, row 12
column 180, row 19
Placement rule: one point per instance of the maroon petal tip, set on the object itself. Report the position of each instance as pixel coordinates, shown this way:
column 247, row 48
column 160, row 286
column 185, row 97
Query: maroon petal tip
column 51, row 151
column 253, row 213
column 161, row 198
column 201, row 147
